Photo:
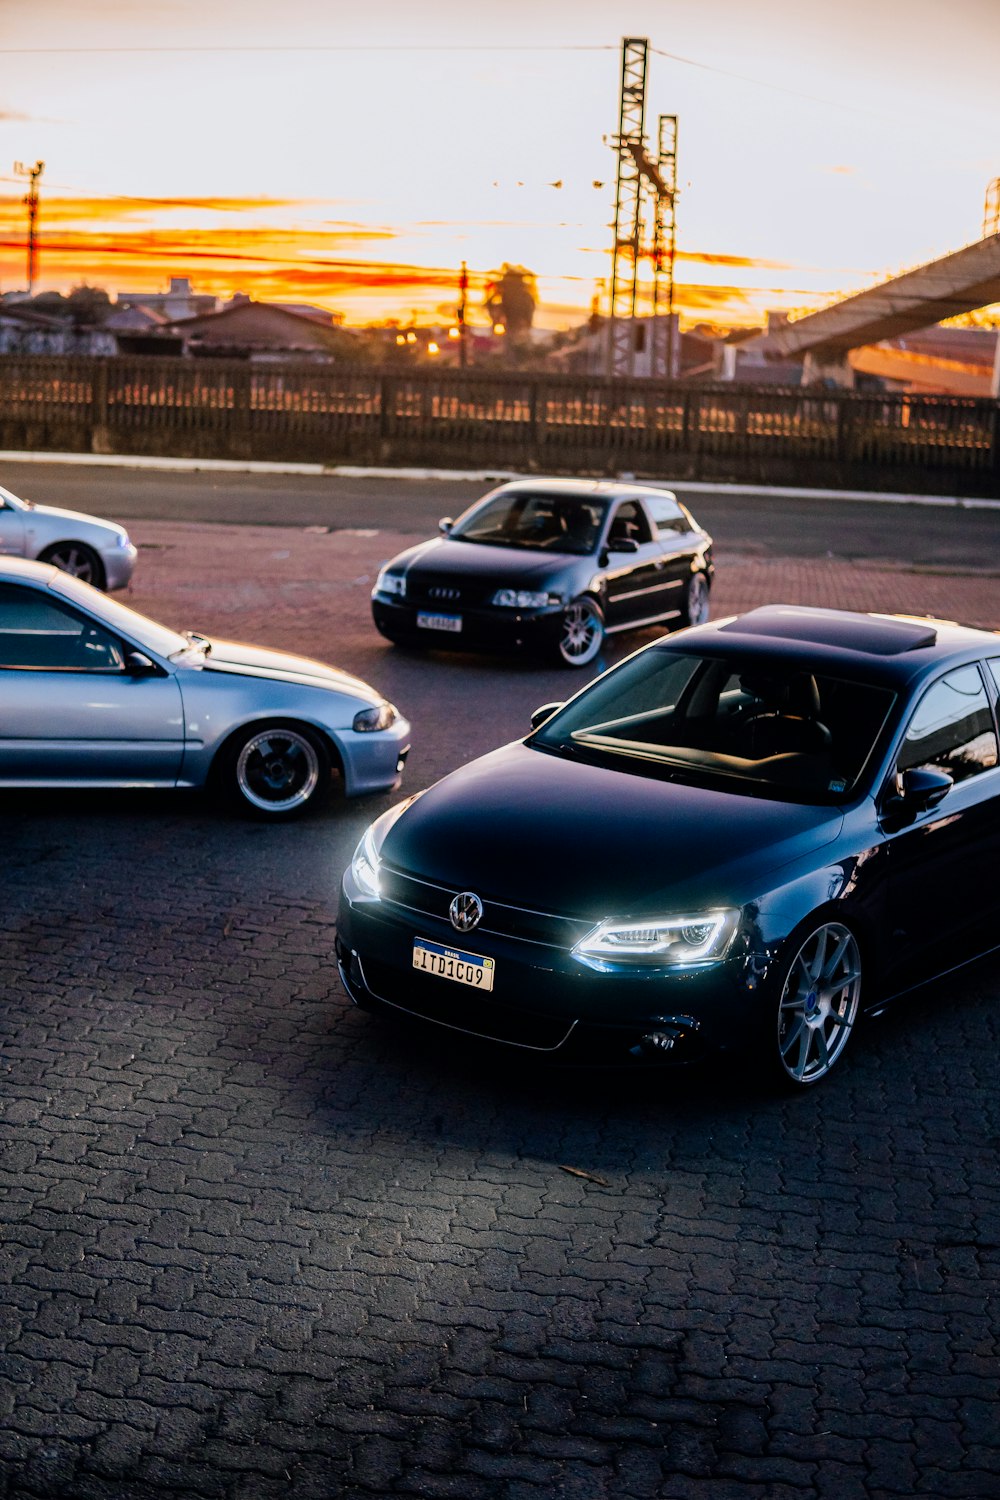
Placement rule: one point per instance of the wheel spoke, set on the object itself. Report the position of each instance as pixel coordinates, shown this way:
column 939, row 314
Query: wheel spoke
column 833, row 959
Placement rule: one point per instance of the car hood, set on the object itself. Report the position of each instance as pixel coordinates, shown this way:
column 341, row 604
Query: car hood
column 479, row 562
column 77, row 517
column 255, row 661
column 531, row 829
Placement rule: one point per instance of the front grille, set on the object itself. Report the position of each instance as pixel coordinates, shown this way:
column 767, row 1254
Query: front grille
column 464, row 1010
column 499, row 918
column 442, row 593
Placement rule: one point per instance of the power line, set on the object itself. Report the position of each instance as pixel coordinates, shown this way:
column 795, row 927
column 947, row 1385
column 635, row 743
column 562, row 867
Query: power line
column 319, row 47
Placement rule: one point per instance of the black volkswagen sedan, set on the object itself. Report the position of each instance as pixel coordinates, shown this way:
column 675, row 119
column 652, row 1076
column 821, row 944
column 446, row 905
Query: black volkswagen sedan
column 553, row 565
column 741, row 839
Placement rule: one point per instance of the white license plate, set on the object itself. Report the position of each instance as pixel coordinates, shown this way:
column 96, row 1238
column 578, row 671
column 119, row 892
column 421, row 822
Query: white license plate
column 440, row 622
column 452, row 963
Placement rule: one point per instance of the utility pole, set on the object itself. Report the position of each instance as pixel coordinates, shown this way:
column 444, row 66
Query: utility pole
column 463, row 288
column 31, row 203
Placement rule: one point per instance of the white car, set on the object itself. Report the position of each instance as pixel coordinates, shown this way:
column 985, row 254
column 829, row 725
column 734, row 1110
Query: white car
column 98, row 552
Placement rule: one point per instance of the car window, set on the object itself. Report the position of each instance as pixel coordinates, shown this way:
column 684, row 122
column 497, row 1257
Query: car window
column 543, row 521
column 667, row 516
column 629, row 522
column 763, row 723
column 952, row 728
column 38, row 634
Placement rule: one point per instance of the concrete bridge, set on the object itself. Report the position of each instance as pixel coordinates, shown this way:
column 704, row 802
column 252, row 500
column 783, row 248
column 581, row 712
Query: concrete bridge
column 958, row 283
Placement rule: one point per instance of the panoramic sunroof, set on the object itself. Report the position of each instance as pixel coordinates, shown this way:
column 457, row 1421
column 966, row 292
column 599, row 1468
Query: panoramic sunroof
column 831, row 627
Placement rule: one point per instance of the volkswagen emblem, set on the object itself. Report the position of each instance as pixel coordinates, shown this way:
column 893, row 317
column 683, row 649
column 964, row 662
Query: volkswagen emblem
column 466, row 911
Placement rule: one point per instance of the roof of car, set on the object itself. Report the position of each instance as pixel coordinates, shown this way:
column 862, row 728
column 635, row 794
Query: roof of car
column 12, row 568
column 605, row 489
column 884, row 646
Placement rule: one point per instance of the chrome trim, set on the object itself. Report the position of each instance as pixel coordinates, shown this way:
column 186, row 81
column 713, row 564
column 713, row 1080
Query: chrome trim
column 432, row 885
column 671, row 583
column 670, row 614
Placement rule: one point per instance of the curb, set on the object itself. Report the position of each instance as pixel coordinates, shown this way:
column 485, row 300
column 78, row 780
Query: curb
column 474, row 476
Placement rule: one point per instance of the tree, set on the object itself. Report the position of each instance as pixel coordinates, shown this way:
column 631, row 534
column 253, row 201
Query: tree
column 88, row 306
column 511, row 299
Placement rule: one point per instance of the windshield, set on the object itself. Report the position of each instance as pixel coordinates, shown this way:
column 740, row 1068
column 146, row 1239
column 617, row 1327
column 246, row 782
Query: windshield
column 762, row 723
column 156, row 638
column 537, row 522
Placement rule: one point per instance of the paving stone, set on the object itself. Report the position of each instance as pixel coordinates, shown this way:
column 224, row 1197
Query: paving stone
column 256, row 1245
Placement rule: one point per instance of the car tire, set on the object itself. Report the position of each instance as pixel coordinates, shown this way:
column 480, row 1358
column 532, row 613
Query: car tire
column 276, row 771
column 77, row 559
column 695, row 609
column 581, row 632
column 816, row 1001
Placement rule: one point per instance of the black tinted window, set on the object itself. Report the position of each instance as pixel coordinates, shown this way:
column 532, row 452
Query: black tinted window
column 36, row 633
column 762, row 721
column 667, row 515
column 952, row 728
column 546, row 522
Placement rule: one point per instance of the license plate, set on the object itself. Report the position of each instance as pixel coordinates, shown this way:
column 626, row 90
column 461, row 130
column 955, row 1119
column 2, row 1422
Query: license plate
column 452, row 963
column 440, row 622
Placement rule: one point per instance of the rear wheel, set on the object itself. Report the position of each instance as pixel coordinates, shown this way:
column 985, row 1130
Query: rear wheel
column 695, row 608
column 276, row 771
column 77, row 559
column 818, row 1004
column 581, row 633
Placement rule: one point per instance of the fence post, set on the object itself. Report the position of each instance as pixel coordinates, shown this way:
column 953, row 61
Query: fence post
column 99, row 419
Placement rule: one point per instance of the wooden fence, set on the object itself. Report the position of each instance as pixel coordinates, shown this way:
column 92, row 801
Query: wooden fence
column 317, row 413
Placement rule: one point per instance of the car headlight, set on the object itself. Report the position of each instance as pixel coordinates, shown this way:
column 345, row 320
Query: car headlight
column 701, row 937
column 365, row 865
column 380, row 716
column 122, row 540
column 391, row 583
column 523, row 599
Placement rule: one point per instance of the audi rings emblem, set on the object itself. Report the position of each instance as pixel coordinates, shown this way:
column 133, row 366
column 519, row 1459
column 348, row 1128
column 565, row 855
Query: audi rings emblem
column 466, row 911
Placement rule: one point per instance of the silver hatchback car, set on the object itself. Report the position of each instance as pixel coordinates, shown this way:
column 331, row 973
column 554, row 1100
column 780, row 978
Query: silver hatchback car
column 99, row 552
column 96, row 695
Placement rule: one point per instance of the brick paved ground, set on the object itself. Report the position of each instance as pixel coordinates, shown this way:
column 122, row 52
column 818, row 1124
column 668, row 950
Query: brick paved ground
column 255, row 1244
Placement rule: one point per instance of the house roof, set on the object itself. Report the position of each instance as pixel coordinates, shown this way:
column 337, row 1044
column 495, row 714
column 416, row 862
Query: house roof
column 260, row 325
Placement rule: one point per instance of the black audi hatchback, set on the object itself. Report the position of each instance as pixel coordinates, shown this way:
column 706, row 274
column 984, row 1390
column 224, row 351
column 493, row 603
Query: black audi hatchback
column 739, row 839
column 552, row 565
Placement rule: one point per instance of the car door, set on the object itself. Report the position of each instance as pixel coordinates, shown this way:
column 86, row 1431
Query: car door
column 681, row 541
column 636, row 585
column 11, row 528
column 70, row 710
column 942, row 902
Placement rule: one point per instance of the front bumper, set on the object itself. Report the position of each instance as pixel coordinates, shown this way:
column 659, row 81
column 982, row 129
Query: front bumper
column 483, row 629
column 373, row 761
column 119, row 565
column 544, row 1002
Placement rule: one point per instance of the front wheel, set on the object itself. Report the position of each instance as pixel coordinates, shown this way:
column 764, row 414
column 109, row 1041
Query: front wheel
column 581, row 633
column 695, row 607
column 277, row 771
column 817, row 1006
column 77, row 559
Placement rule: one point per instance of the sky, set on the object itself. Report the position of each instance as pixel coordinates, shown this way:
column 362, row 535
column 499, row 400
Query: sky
column 352, row 156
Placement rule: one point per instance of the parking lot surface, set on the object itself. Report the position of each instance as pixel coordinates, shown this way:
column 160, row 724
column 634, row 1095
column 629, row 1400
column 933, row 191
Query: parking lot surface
column 255, row 1243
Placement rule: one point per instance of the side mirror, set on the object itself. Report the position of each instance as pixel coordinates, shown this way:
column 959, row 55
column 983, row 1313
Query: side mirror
column 917, row 790
column 445, row 524
column 546, row 711
column 623, row 544
column 138, row 664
